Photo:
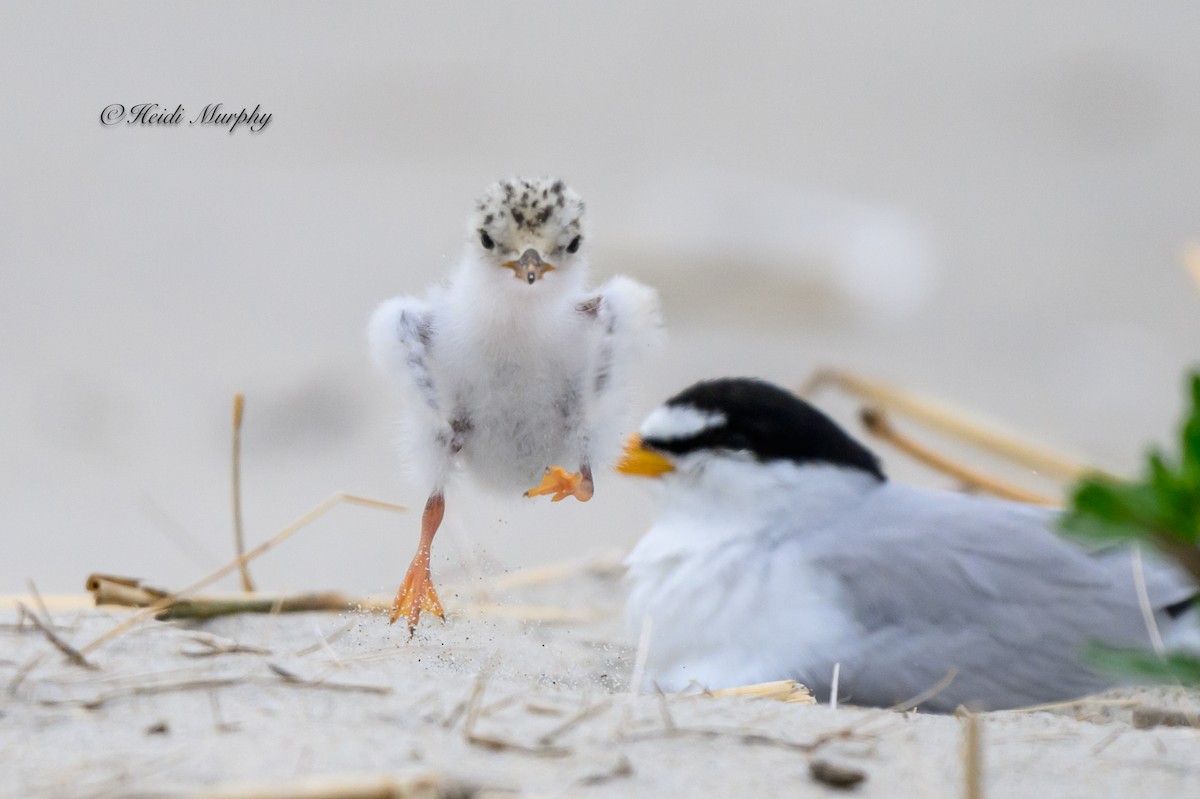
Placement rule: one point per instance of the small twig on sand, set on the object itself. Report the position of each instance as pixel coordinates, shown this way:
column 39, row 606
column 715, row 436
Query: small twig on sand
column 112, row 589
column 152, row 689
column 740, row 735
column 877, row 424
column 23, row 672
column 556, row 732
column 473, row 710
column 211, row 607
column 270, row 543
column 1108, row 739
column 73, row 654
column 325, row 641
column 125, row 591
column 355, row 786
column 292, row 678
column 1076, row 704
column 239, row 542
column 215, row 645
column 972, row 756
column 664, row 709
column 620, row 769
column 788, row 691
column 927, row 694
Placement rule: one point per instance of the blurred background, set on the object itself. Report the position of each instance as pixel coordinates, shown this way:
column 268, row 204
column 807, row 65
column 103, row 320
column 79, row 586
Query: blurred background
column 986, row 203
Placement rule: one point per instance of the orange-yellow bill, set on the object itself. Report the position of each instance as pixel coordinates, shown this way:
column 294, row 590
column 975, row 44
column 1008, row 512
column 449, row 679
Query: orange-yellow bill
column 531, row 273
column 643, row 462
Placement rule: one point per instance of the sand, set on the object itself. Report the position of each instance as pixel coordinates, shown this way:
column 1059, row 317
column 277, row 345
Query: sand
column 494, row 704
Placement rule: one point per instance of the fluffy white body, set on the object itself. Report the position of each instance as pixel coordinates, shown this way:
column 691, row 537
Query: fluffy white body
column 756, row 571
column 515, row 373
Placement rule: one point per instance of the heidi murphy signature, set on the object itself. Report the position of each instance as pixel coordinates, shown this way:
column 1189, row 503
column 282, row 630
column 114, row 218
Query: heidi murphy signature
column 213, row 114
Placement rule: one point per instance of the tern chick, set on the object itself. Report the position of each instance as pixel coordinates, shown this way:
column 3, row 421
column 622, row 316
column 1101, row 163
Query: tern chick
column 780, row 549
column 513, row 365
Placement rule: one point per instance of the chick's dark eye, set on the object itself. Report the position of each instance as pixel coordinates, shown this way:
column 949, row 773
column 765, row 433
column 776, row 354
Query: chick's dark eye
column 486, row 240
column 574, row 245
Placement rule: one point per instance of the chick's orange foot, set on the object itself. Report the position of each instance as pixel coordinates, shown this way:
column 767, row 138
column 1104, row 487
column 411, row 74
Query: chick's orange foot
column 415, row 594
column 562, row 484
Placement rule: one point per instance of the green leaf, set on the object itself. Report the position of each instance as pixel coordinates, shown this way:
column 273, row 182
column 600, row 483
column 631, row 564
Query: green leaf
column 1143, row 665
column 1163, row 507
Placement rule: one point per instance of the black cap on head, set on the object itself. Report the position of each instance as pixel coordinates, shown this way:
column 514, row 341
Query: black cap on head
column 766, row 421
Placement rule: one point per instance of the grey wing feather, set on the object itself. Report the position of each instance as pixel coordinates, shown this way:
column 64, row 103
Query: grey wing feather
column 982, row 588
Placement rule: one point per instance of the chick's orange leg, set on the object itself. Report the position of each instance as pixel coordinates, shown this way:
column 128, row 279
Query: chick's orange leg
column 416, row 593
column 562, row 484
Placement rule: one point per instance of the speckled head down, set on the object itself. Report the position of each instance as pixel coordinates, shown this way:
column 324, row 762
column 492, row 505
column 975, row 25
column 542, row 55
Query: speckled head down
column 518, row 213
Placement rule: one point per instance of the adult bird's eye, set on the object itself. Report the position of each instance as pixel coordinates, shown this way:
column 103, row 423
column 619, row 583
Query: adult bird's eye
column 486, row 240
column 574, row 245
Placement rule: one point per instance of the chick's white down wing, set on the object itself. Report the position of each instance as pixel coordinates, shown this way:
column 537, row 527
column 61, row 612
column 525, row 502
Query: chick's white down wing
column 629, row 327
column 400, row 334
column 939, row 582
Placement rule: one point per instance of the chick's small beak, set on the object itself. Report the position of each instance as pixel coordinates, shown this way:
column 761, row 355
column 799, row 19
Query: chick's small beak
column 530, row 266
column 642, row 462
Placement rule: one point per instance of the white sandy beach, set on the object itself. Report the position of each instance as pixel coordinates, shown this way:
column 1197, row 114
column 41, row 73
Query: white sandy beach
column 532, row 708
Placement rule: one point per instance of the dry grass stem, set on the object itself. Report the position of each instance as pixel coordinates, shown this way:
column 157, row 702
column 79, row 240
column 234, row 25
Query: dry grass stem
column 239, row 541
column 878, row 425
column 225, row 570
column 952, row 421
column 15, row 683
column 111, row 589
column 621, row 769
column 492, row 742
column 1107, row 740
column 291, row 678
column 664, row 709
column 1073, row 703
column 325, row 641
column 358, row 786
column 927, row 694
column 781, row 691
column 211, row 607
column 555, row 733
column 128, row 592
column 211, row 683
column 73, row 654
column 210, row 645
column 742, row 736
column 972, row 757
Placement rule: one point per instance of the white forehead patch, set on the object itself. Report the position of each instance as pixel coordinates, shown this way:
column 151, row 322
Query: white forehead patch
column 668, row 422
